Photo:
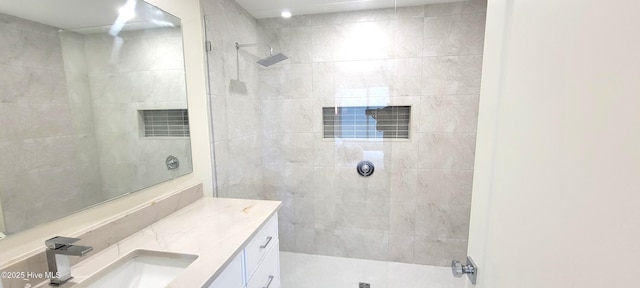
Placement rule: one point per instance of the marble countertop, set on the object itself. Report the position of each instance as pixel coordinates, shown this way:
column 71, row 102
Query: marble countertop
column 214, row 229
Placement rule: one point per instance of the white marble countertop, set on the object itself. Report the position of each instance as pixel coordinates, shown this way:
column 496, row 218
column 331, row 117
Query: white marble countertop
column 214, row 229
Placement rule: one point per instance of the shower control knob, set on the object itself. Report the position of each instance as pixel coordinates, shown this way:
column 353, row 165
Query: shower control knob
column 365, row 168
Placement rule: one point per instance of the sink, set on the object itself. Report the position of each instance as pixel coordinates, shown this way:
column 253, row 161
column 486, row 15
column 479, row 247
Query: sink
column 141, row 268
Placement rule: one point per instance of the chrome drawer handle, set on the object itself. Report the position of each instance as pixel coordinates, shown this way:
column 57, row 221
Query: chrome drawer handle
column 270, row 280
column 266, row 243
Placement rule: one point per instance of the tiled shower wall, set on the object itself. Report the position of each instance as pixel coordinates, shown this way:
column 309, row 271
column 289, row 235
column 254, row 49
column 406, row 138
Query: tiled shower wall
column 47, row 142
column 145, row 72
column 415, row 208
column 235, row 104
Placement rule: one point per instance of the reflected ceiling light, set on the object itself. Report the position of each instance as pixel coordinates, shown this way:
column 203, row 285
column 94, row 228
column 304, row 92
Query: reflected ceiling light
column 285, row 14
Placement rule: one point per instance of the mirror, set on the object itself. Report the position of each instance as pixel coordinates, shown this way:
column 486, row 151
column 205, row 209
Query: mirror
column 92, row 105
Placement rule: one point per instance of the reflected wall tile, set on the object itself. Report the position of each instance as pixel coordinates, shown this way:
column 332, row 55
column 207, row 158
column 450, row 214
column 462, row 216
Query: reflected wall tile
column 451, row 75
column 32, row 85
column 454, row 35
column 439, row 251
column 447, row 114
column 409, row 37
column 442, row 221
column 445, row 186
column 446, row 151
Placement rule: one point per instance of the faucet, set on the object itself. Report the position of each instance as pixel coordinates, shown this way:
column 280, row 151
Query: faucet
column 58, row 251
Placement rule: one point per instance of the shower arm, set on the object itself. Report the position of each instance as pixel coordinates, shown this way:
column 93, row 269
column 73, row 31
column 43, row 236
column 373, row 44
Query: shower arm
column 238, row 46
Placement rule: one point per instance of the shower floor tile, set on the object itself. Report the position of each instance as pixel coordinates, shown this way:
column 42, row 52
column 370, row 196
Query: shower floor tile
column 315, row 271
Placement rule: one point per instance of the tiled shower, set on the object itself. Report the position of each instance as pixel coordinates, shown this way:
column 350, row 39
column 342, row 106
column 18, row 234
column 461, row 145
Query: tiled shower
column 269, row 140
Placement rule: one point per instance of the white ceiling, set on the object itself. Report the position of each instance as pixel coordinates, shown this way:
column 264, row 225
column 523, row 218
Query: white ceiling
column 273, row 8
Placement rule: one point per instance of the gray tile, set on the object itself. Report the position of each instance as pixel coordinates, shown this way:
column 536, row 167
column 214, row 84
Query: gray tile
column 442, row 221
column 446, row 151
column 444, row 186
column 438, row 252
column 451, row 75
column 449, row 114
column 454, row 35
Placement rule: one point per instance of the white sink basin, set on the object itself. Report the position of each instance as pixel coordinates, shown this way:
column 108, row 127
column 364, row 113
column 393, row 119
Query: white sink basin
column 141, row 268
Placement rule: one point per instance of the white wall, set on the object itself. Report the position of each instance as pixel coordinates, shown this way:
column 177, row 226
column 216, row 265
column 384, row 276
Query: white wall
column 555, row 197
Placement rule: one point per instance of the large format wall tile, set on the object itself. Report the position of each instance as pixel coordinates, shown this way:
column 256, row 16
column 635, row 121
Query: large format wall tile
column 451, row 75
column 454, row 35
column 428, row 57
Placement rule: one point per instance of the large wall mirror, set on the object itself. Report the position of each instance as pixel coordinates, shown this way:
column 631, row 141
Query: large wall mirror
column 92, row 105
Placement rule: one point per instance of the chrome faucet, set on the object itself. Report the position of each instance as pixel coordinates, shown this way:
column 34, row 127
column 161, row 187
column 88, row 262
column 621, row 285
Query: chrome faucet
column 58, row 251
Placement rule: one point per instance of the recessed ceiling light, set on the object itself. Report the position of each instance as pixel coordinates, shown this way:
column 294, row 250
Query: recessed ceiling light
column 286, row 14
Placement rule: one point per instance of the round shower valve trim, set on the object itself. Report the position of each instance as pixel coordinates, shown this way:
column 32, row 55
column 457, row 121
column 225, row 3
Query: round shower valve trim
column 365, row 168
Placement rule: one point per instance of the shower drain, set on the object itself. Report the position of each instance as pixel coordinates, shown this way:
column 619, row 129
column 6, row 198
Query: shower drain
column 364, row 285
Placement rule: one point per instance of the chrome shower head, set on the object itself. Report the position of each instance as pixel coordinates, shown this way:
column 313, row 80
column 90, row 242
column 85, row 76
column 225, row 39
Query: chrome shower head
column 265, row 62
column 273, row 59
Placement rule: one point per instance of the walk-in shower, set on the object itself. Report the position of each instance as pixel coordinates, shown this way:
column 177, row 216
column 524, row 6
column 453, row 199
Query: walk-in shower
column 268, row 61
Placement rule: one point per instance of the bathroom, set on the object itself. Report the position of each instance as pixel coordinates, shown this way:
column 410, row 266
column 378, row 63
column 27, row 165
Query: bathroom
column 257, row 133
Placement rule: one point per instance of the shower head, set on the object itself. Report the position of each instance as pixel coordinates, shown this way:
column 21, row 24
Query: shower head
column 268, row 61
column 273, row 59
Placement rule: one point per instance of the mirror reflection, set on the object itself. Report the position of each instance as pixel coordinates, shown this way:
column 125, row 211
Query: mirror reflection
column 92, row 105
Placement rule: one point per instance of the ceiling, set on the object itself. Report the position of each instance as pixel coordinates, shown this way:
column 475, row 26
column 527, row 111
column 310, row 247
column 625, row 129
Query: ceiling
column 273, row 8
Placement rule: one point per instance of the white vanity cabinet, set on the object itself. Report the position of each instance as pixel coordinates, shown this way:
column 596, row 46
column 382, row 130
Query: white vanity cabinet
column 257, row 265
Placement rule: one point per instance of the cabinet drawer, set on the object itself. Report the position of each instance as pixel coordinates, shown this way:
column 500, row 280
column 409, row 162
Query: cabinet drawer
column 232, row 276
column 268, row 273
column 258, row 247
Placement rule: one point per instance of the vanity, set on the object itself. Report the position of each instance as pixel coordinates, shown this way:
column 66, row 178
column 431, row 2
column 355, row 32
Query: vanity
column 232, row 243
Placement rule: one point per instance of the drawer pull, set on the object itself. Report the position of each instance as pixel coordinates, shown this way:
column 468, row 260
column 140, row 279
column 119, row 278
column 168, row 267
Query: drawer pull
column 266, row 243
column 270, row 280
